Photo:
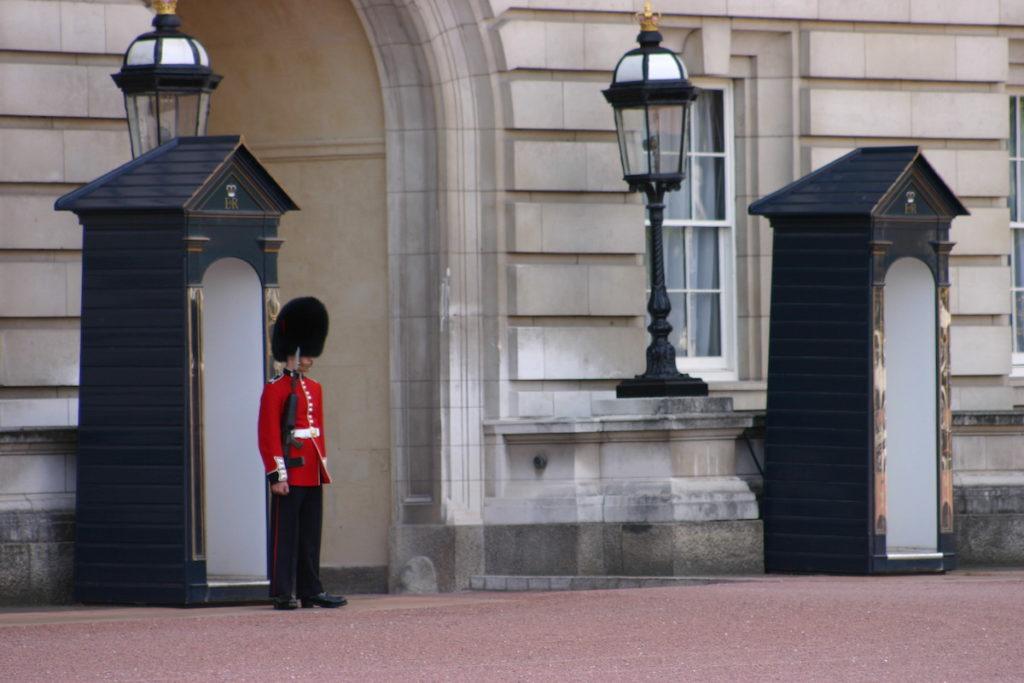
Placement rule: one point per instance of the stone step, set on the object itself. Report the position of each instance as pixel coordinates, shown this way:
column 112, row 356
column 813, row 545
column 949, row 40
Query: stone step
column 493, row 582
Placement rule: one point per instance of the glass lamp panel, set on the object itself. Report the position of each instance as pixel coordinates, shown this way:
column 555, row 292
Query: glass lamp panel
column 167, row 112
column 666, row 140
column 176, row 51
column 630, row 69
column 141, row 53
column 179, row 115
column 204, row 58
column 664, row 67
column 188, row 113
column 632, row 129
column 203, row 113
column 709, row 188
column 142, row 122
column 708, row 122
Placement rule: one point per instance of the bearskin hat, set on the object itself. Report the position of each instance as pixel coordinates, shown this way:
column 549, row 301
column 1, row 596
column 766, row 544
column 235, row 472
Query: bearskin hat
column 301, row 325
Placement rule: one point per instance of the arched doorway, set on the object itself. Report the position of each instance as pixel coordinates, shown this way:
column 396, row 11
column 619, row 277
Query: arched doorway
column 233, row 486
column 301, row 85
column 911, row 412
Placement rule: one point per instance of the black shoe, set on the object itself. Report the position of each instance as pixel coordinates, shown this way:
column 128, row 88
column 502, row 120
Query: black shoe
column 286, row 603
column 324, row 600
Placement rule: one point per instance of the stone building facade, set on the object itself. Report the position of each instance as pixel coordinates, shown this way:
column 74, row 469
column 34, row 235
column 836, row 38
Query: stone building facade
column 465, row 221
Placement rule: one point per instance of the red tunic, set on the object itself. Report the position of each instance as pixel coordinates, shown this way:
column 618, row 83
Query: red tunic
column 309, row 414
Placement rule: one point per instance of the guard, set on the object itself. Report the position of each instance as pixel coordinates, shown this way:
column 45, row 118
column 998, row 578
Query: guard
column 291, row 441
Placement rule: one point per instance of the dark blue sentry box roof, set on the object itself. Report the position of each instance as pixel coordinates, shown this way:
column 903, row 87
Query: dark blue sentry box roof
column 857, row 184
column 174, row 176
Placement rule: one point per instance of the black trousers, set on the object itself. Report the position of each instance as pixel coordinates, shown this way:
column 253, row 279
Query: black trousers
column 295, row 525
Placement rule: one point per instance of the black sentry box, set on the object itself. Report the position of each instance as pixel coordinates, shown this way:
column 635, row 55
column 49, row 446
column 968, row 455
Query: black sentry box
column 151, row 228
column 859, row 476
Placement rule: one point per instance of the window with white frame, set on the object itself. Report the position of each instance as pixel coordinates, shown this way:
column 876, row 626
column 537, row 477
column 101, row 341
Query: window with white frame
column 698, row 243
column 1016, row 202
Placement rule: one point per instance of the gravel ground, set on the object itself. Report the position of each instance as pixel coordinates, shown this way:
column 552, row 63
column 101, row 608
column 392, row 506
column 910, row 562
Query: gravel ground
column 962, row 626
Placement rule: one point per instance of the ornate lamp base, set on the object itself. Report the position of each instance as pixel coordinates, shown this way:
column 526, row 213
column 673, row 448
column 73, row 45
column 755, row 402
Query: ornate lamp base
column 643, row 387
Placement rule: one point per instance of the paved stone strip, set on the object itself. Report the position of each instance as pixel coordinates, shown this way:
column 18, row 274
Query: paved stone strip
column 957, row 627
column 585, row 583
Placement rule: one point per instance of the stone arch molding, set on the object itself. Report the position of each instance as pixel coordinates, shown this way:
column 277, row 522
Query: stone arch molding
column 435, row 60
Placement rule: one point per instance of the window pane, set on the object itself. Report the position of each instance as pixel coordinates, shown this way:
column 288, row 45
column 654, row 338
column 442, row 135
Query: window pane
column 704, row 271
column 693, row 269
column 1012, row 199
column 709, row 188
column 1018, row 257
column 706, row 325
column 677, row 204
column 708, row 122
column 1016, row 126
column 1018, row 333
column 677, row 318
column 1013, row 127
column 675, row 259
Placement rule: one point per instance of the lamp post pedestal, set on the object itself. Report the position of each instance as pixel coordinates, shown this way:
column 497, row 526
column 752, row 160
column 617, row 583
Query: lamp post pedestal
column 661, row 378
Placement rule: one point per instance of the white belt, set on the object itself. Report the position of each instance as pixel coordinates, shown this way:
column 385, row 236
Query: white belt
column 310, row 433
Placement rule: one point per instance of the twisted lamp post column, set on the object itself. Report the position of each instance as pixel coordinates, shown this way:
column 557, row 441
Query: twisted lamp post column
column 661, row 355
column 651, row 96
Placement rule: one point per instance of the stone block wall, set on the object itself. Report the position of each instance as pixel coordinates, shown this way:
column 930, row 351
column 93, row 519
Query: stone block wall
column 62, row 124
column 810, row 80
column 37, row 499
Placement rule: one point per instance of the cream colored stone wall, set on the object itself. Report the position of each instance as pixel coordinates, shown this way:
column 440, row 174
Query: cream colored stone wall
column 944, row 92
column 61, row 124
column 307, row 99
column 811, row 79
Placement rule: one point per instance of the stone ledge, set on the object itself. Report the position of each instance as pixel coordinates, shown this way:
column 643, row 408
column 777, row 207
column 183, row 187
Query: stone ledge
column 989, row 499
column 667, row 406
column 360, row 580
column 988, row 418
column 49, row 526
column 63, row 438
column 37, row 502
column 618, row 423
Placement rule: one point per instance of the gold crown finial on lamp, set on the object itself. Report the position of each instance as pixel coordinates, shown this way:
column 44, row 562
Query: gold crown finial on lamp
column 648, row 19
column 165, row 6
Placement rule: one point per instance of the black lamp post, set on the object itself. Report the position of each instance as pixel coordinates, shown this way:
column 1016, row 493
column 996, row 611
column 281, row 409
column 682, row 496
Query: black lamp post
column 167, row 81
column 651, row 96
